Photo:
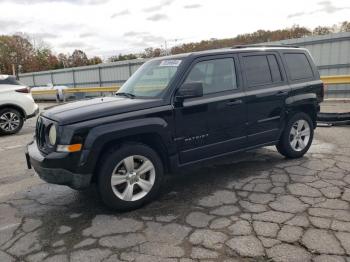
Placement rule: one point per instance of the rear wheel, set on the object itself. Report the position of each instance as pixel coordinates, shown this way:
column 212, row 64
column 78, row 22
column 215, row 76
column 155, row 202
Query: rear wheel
column 130, row 177
column 297, row 136
column 11, row 121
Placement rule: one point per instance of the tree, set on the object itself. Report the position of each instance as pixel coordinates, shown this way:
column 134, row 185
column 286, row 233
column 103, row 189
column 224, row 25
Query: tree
column 23, row 50
column 15, row 50
column 148, row 53
column 322, row 30
column 259, row 36
column 45, row 60
column 5, row 58
column 121, row 57
column 53, row 62
column 298, row 32
column 153, row 52
column 345, row 27
column 95, row 60
column 63, row 60
column 31, row 55
column 78, row 58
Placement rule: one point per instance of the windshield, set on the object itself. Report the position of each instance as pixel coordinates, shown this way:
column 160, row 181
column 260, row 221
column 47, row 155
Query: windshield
column 151, row 79
column 9, row 80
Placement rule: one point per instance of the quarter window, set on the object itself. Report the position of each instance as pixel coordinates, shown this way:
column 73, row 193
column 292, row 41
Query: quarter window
column 298, row 66
column 216, row 75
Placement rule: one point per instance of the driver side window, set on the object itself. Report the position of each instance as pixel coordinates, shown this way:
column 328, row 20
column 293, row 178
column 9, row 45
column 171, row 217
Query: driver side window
column 216, row 75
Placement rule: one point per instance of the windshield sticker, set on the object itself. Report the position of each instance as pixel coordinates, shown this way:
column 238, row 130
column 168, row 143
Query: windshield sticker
column 170, row 63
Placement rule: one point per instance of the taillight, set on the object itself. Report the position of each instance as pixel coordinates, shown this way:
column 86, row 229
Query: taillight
column 325, row 87
column 323, row 91
column 23, row 90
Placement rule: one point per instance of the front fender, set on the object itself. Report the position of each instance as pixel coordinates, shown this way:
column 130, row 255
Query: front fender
column 101, row 136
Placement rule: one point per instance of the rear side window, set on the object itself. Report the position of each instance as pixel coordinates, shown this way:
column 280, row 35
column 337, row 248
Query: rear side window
column 217, row 75
column 298, row 66
column 261, row 70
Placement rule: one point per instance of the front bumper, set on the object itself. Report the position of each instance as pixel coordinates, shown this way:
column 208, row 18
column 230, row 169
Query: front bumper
column 49, row 168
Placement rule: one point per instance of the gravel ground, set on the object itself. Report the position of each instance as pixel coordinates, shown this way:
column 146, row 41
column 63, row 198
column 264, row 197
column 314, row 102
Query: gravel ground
column 254, row 206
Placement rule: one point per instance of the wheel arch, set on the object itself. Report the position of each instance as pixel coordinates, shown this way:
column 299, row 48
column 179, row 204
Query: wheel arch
column 306, row 103
column 16, row 107
column 152, row 140
column 151, row 132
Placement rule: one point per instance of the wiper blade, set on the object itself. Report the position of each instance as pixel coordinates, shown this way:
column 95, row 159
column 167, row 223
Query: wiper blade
column 125, row 94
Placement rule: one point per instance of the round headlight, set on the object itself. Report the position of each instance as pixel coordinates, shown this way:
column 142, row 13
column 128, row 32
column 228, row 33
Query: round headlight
column 52, row 135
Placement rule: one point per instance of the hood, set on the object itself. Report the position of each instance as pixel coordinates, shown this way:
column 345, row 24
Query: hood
column 95, row 108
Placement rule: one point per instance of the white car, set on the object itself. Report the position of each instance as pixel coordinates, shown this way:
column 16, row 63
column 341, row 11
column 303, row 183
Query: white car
column 16, row 105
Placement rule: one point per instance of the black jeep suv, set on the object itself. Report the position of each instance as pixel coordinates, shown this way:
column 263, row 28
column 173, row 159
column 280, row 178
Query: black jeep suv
column 178, row 111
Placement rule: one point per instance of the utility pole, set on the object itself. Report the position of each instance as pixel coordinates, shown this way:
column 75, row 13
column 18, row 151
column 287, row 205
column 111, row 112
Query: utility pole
column 174, row 41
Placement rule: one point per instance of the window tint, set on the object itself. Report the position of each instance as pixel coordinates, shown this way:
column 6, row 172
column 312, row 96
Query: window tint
column 216, row 75
column 257, row 70
column 9, row 81
column 261, row 70
column 298, row 66
column 275, row 70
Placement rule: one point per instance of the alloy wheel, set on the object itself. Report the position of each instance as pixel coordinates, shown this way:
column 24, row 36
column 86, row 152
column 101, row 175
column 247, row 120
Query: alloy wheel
column 133, row 178
column 9, row 121
column 299, row 135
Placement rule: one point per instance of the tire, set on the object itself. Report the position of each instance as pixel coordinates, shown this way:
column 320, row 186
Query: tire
column 11, row 121
column 295, row 140
column 124, row 163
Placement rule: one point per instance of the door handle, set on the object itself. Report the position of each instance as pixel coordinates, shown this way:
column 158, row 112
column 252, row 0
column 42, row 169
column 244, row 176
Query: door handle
column 282, row 93
column 234, row 102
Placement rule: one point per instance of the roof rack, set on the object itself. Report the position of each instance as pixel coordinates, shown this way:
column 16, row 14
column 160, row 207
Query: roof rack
column 264, row 45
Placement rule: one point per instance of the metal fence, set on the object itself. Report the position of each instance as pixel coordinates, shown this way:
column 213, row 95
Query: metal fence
column 330, row 52
column 105, row 74
column 103, row 91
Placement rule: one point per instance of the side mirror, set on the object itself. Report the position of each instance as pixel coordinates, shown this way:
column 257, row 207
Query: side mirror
column 190, row 90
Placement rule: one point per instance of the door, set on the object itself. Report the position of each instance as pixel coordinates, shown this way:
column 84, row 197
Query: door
column 215, row 123
column 266, row 91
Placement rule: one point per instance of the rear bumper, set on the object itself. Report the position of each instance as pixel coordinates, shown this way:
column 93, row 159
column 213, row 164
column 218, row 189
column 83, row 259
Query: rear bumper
column 49, row 168
column 35, row 113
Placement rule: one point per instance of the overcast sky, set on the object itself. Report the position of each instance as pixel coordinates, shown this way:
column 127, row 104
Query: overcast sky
column 106, row 27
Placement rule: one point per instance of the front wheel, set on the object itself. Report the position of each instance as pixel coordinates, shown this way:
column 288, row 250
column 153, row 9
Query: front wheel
column 130, row 177
column 11, row 121
column 297, row 136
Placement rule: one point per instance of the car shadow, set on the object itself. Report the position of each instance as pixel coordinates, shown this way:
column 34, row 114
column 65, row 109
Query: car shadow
column 58, row 205
column 179, row 191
